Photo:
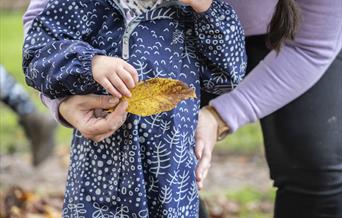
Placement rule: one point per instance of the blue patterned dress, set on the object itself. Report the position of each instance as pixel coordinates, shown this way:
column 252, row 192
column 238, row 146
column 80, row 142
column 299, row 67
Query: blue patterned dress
column 147, row 168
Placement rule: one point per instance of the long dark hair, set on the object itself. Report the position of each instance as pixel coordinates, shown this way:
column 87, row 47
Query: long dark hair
column 284, row 23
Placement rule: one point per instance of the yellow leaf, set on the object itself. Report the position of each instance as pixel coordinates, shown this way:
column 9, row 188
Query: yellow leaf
column 157, row 95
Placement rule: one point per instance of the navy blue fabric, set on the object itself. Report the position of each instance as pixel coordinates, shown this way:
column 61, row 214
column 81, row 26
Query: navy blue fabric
column 147, row 168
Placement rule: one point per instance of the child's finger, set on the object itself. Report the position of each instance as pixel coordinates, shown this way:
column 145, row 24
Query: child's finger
column 132, row 71
column 106, row 84
column 127, row 78
column 120, row 85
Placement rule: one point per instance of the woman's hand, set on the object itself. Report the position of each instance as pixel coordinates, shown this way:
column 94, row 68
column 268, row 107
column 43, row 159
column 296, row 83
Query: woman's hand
column 206, row 137
column 79, row 111
column 200, row 6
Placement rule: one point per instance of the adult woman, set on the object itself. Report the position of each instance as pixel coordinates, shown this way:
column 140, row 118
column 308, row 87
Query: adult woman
column 303, row 142
column 303, row 145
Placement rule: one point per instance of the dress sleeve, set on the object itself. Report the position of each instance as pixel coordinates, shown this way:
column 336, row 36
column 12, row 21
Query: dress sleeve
column 221, row 42
column 56, row 58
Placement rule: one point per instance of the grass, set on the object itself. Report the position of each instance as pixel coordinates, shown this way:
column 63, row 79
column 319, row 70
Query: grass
column 247, row 140
column 247, row 197
column 12, row 137
column 249, row 201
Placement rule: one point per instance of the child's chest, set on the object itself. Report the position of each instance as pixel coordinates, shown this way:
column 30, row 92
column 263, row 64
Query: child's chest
column 161, row 43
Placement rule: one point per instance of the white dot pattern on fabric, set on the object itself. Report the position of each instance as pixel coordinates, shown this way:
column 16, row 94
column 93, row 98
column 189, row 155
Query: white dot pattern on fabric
column 147, row 168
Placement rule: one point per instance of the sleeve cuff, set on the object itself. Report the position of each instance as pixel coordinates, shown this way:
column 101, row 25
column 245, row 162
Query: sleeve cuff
column 234, row 110
column 86, row 74
column 53, row 106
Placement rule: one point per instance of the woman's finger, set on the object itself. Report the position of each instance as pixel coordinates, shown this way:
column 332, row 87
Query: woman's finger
column 199, row 146
column 203, row 166
column 99, row 138
column 202, row 134
column 119, row 115
column 109, row 86
column 97, row 126
column 97, row 134
column 90, row 102
column 120, row 85
column 94, row 127
column 113, row 121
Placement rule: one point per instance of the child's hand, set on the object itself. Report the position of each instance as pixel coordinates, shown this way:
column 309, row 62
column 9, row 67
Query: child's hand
column 114, row 74
column 199, row 6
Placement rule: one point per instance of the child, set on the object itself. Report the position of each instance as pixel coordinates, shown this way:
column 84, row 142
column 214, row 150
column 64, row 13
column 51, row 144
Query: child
column 145, row 169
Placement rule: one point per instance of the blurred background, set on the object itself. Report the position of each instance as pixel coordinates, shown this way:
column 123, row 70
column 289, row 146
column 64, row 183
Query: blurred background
column 238, row 184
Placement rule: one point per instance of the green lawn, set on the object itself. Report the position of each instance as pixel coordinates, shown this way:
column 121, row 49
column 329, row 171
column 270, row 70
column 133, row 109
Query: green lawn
column 249, row 202
column 246, row 140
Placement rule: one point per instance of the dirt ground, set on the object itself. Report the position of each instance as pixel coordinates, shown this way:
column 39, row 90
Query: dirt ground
column 228, row 172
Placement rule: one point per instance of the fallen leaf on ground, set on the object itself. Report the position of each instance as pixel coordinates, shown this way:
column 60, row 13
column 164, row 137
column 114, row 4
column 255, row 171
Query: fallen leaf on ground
column 18, row 203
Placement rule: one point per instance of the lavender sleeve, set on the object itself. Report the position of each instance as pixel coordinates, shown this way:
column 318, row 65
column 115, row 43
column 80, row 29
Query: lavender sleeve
column 34, row 9
column 53, row 106
column 279, row 79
